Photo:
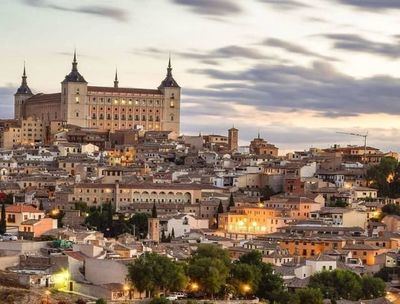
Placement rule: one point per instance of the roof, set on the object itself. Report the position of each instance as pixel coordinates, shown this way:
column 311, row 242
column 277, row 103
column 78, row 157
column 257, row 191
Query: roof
column 92, row 89
column 45, row 98
column 22, row 208
column 77, row 255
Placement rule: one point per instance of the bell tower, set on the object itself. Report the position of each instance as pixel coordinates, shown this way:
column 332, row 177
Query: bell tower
column 22, row 94
column 172, row 102
column 74, row 97
column 153, row 223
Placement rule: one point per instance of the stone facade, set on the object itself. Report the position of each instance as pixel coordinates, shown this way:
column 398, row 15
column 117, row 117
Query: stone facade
column 106, row 108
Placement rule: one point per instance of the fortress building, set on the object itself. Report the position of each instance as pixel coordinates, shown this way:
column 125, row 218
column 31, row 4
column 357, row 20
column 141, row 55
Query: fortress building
column 105, row 108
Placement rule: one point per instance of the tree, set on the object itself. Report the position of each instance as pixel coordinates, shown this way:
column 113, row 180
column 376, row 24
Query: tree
column 41, row 205
column 173, row 233
column 385, row 177
column 101, row 301
column 266, row 193
column 220, row 208
column 80, row 301
column 372, row 287
column 156, row 273
column 391, row 209
column 254, row 257
column 154, row 211
column 3, row 223
column 339, row 203
column 338, row 284
column 309, row 296
column 209, row 267
column 231, row 202
column 139, row 220
column 245, row 278
column 163, row 237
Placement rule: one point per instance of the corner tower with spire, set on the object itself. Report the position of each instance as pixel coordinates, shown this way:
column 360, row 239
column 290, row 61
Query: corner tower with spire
column 74, row 97
column 172, row 101
column 22, row 94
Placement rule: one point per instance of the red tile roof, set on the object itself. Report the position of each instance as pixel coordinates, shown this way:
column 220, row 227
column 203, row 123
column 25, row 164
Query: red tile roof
column 19, row 208
column 38, row 98
column 123, row 90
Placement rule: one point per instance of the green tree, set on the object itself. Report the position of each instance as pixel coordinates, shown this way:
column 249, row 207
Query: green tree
column 270, row 286
column 385, row 177
column 391, row 209
column 3, row 223
column 339, row 203
column 156, row 273
column 139, row 220
column 266, row 193
column 245, row 278
column 172, row 233
column 372, row 287
column 338, row 284
column 310, row 296
column 154, row 211
column 209, row 267
column 101, row 301
column 41, row 207
column 231, row 202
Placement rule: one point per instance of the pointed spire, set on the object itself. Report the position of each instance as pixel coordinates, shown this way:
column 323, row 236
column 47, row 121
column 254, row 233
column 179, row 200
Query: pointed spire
column 169, row 81
column 24, row 88
column 116, row 79
column 24, row 77
column 169, row 69
column 74, row 75
column 74, row 62
column 258, row 135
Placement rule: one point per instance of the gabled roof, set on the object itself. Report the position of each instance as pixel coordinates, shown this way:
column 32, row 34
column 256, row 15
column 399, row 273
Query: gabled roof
column 19, row 208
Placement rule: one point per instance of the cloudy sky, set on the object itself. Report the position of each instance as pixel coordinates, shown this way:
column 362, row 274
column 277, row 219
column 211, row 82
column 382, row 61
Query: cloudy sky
column 297, row 70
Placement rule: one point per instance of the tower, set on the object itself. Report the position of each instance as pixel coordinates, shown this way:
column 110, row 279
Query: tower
column 116, row 79
column 22, row 94
column 154, row 225
column 233, row 139
column 74, row 109
column 172, row 102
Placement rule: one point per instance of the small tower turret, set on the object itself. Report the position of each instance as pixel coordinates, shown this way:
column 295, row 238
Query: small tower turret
column 116, row 79
column 172, row 102
column 22, row 94
column 74, row 108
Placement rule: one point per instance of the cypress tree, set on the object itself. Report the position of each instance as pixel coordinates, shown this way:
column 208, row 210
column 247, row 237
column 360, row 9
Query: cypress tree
column 231, row 202
column 3, row 223
column 154, row 211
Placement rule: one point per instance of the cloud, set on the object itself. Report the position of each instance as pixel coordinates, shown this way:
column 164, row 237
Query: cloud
column 213, row 57
column 285, row 4
column 372, row 5
column 318, row 87
column 7, row 101
column 294, row 48
column 101, row 11
column 356, row 43
column 211, row 7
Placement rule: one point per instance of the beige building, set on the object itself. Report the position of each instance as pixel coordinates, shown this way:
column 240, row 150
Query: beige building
column 123, row 195
column 27, row 131
column 106, row 108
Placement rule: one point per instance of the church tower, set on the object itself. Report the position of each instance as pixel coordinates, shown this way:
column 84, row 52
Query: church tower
column 74, row 97
column 22, row 94
column 172, row 102
column 233, row 139
column 154, row 226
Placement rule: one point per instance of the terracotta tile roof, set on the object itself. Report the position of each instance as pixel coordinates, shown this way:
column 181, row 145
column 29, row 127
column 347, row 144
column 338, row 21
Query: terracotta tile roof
column 38, row 98
column 77, row 255
column 22, row 208
column 92, row 89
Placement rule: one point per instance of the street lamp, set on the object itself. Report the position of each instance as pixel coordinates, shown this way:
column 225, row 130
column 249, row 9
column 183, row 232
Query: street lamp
column 194, row 287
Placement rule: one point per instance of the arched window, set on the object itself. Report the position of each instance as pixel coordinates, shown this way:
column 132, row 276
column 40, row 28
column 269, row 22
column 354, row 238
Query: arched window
column 171, row 117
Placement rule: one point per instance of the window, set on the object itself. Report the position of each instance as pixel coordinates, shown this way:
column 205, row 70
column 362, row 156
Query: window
column 171, row 104
column 172, row 117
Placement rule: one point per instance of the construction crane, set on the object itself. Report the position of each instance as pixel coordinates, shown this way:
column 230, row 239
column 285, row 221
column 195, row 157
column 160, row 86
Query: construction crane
column 365, row 141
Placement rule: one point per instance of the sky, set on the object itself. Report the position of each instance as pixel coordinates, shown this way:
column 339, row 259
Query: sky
column 297, row 71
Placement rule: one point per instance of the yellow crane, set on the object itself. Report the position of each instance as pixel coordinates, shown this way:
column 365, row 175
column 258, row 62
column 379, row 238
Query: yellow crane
column 365, row 136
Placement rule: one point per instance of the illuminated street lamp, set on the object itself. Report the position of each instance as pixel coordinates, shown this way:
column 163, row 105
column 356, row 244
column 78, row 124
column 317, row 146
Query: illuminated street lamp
column 246, row 288
column 194, row 287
